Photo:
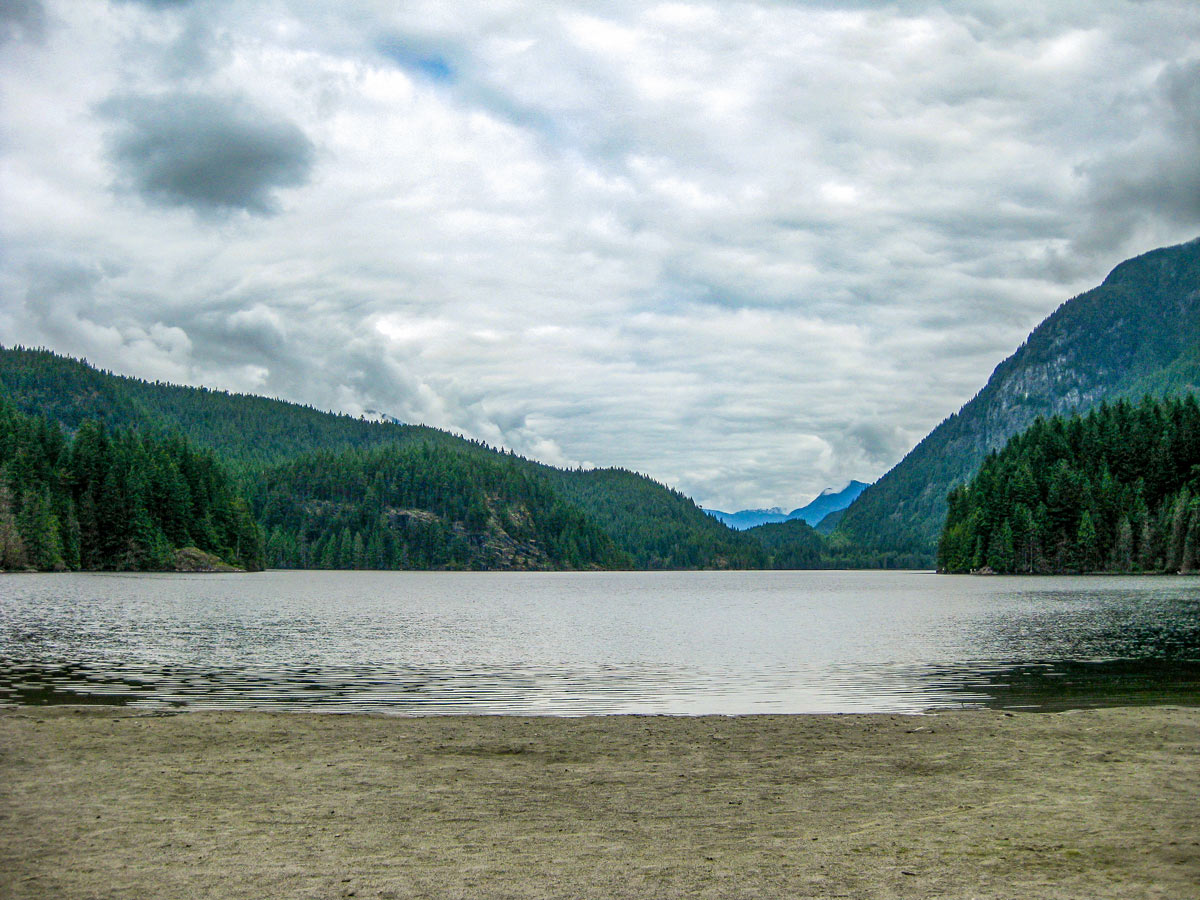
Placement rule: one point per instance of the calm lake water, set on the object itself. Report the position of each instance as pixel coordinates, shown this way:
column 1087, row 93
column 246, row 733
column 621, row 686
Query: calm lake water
column 583, row 643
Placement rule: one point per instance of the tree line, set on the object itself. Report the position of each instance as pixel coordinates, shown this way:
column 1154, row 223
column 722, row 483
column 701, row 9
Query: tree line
column 1117, row 490
column 332, row 491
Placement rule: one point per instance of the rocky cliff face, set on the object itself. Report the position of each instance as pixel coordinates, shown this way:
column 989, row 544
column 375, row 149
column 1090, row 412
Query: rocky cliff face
column 1138, row 331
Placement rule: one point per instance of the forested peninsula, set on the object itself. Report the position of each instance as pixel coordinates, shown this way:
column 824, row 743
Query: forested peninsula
column 1117, row 490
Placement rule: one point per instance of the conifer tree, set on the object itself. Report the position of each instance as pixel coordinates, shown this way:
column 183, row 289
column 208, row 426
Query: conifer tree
column 1086, row 546
column 1114, row 489
column 12, row 547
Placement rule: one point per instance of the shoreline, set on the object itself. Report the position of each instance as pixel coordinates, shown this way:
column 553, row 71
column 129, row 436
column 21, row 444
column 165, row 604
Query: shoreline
column 100, row 802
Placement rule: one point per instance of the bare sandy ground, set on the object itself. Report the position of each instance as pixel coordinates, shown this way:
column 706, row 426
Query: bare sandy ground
column 111, row 803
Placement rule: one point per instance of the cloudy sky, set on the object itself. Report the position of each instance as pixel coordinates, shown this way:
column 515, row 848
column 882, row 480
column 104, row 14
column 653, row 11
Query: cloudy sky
column 750, row 249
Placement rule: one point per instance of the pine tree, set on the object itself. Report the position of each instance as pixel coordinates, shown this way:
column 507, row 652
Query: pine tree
column 12, row 547
column 1190, row 558
column 1177, row 530
column 1024, row 539
column 1147, row 555
column 1122, row 555
column 1112, row 489
column 40, row 533
column 1000, row 552
column 1087, row 552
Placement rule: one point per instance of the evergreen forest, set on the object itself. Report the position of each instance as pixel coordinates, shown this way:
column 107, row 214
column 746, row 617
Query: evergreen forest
column 124, row 474
column 421, row 506
column 115, row 500
column 1117, row 490
column 333, row 491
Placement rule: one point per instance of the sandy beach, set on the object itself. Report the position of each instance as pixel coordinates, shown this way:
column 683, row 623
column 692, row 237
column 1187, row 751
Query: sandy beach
column 124, row 803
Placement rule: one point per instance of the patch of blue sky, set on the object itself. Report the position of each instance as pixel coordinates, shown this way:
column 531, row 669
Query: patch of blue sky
column 433, row 66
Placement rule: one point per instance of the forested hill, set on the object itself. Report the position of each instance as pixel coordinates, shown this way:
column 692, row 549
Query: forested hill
column 489, row 509
column 241, row 427
column 419, row 506
column 1115, row 491
column 659, row 527
column 1137, row 332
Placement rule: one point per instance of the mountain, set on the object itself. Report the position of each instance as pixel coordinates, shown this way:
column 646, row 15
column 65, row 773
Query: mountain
column 828, row 501
column 416, row 506
column 242, row 427
column 1137, row 333
column 464, row 504
column 748, row 518
column 827, row 525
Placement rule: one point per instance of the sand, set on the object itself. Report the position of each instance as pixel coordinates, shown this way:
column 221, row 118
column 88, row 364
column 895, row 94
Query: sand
column 119, row 803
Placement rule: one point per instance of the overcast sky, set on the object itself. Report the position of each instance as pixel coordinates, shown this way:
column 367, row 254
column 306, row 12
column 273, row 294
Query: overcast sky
column 750, row 249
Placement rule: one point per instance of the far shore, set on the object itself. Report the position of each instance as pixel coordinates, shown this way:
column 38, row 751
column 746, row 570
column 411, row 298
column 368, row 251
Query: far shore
column 119, row 802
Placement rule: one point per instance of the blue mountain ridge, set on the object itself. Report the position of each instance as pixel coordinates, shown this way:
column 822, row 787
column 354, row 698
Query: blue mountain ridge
column 826, row 502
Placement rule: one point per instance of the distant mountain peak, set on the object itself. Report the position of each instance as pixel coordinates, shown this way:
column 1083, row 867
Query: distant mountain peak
column 748, row 518
column 829, row 500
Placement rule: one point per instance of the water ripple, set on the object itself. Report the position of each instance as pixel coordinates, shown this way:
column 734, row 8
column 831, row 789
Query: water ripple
column 598, row 643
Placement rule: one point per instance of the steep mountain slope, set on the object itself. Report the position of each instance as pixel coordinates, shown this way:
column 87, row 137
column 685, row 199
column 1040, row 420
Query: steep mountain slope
column 1138, row 331
column 827, row 525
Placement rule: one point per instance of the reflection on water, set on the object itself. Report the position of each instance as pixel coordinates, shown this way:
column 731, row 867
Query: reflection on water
column 598, row 643
column 1072, row 684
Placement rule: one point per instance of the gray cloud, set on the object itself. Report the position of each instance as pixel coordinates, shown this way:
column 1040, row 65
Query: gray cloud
column 161, row 4
column 1155, row 173
column 22, row 19
column 751, row 249
column 213, row 154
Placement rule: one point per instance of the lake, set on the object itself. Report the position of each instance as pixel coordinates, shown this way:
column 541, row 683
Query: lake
column 415, row 643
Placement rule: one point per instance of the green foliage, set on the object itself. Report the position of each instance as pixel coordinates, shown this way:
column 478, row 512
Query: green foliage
column 119, row 500
column 422, row 506
column 244, row 429
column 1115, row 490
column 793, row 544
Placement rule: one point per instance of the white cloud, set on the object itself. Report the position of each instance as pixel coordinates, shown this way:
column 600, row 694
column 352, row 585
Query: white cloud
column 752, row 249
